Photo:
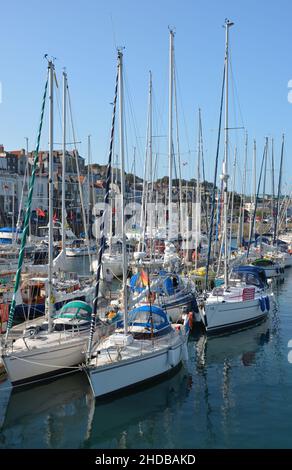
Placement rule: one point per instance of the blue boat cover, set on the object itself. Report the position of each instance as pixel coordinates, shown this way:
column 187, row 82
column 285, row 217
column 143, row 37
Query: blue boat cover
column 137, row 286
column 141, row 316
column 10, row 230
column 168, row 286
column 257, row 271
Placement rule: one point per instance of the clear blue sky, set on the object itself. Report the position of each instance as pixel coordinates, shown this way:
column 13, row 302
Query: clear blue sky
column 82, row 35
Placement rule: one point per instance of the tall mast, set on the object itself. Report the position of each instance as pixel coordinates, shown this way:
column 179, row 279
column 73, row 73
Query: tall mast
column 112, row 194
column 264, row 197
column 150, row 132
column 134, row 182
column 13, row 209
column 198, row 192
column 273, row 185
column 134, row 177
column 170, row 151
column 279, row 192
column 64, row 161
column 225, row 175
column 51, row 193
column 242, row 212
column 232, row 201
column 102, row 227
column 180, row 203
column 147, row 174
column 28, row 176
column 150, row 178
column 122, row 160
column 76, row 155
column 88, row 178
column 203, row 170
column 253, row 199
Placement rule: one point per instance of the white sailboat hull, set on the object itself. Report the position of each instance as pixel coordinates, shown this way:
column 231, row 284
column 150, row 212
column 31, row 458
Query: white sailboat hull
column 175, row 305
column 47, row 357
column 224, row 316
column 133, row 371
column 114, row 264
column 83, row 251
column 33, row 364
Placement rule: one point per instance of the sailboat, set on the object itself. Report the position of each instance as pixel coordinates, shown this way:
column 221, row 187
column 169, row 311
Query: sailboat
column 59, row 342
column 169, row 291
column 259, row 254
column 32, row 293
column 234, row 304
column 146, row 345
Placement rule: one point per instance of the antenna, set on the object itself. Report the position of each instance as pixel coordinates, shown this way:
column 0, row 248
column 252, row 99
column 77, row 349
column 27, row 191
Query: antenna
column 172, row 29
column 120, row 49
column 50, row 59
column 228, row 23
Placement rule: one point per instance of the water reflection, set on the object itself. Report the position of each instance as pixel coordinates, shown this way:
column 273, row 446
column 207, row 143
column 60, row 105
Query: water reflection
column 140, row 419
column 232, row 391
column 53, row 415
column 242, row 345
column 218, row 360
column 64, row 414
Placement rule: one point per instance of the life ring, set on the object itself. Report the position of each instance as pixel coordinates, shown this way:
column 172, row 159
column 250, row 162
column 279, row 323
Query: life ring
column 262, row 304
column 151, row 297
column 267, row 301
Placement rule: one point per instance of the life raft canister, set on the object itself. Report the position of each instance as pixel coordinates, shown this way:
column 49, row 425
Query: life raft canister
column 262, row 304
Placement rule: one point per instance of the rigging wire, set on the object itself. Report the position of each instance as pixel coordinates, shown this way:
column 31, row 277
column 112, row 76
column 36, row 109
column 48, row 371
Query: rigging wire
column 215, row 180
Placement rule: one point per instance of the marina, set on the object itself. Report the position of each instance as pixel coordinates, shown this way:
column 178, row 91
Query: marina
column 146, row 282
column 211, row 402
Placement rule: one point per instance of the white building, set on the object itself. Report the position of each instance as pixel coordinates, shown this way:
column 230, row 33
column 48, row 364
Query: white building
column 8, row 192
column 40, row 192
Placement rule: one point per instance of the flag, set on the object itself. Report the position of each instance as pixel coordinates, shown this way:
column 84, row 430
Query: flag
column 40, row 212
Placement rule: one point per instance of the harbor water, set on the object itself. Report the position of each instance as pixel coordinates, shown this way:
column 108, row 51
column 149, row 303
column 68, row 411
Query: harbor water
column 233, row 392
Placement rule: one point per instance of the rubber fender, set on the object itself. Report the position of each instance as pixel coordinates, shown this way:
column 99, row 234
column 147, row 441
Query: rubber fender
column 262, row 304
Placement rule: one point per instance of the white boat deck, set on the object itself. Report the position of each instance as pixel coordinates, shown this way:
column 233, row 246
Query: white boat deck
column 114, row 349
